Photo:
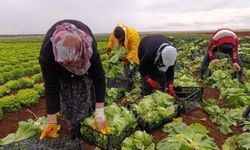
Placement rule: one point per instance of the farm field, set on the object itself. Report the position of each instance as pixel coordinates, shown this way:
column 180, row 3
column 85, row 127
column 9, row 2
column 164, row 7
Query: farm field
column 216, row 123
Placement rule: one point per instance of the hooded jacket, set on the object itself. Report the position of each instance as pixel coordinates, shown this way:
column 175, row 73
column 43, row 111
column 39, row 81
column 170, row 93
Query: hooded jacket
column 223, row 36
column 131, row 43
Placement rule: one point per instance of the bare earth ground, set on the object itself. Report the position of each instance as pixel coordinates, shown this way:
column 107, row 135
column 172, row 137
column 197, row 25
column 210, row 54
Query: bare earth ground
column 9, row 123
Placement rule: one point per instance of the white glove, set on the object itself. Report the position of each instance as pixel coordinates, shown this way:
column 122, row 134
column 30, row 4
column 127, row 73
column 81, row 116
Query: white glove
column 100, row 119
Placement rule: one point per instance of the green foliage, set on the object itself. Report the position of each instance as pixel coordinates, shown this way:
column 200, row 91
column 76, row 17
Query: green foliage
column 28, row 71
column 185, row 79
column 155, row 107
column 37, row 77
column 140, row 140
column 1, row 79
column 113, row 94
column 27, row 97
column 120, row 121
column 26, row 82
column 3, row 90
column 37, row 68
column 26, row 129
column 19, row 72
column 240, row 142
column 9, row 104
column 15, row 85
column 39, row 88
column 7, row 76
column 233, row 92
column 246, row 126
column 187, row 137
column 223, row 116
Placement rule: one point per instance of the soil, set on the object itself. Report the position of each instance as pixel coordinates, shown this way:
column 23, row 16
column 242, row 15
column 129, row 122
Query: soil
column 158, row 135
column 209, row 92
column 199, row 116
column 196, row 74
column 9, row 122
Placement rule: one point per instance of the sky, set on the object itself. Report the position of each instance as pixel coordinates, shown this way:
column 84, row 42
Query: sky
column 37, row 16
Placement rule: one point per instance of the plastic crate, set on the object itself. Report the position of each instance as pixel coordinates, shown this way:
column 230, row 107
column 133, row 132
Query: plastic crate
column 47, row 144
column 192, row 101
column 246, row 113
column 183, row 92
column 108, row 141
column 245, row 59
column 120, row 82
column 26, row 144
column 149, row 127
column 129, row 73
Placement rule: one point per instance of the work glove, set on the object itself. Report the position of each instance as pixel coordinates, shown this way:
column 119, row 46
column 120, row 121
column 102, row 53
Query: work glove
column 236, row 67
column 172, row 92
column 154, row 84
column 100, row 121
column 124, row 60
column 213, row 63
column 108, row 50
column 49, row 131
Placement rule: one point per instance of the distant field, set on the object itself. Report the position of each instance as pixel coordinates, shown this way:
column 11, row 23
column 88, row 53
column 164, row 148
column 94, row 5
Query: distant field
column 104, row 37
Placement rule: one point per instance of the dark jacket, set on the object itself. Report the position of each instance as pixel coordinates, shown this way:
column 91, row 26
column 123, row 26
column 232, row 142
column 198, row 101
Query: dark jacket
column 147, row 53
column 53, row 71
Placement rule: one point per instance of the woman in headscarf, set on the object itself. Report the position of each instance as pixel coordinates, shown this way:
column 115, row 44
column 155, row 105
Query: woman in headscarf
column 157, row 62
column 130, row 39
column 73, row 77
column 225, row 41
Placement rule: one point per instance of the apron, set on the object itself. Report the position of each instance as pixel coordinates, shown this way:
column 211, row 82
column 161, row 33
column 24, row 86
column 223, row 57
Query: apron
column 77, row 100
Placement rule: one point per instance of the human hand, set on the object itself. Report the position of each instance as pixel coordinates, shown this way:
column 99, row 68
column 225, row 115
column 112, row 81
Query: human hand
column 236, row 67
column 100, row 121
column 49, row 131
column 172, row 92
column 154, row 84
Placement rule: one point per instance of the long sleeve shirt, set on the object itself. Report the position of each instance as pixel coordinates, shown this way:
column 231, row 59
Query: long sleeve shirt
column 147, row 53
column 131, row 43
column 220, row 37
column 53, row 71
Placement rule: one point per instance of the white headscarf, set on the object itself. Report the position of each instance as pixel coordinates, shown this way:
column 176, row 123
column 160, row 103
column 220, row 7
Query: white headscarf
column 169, row 54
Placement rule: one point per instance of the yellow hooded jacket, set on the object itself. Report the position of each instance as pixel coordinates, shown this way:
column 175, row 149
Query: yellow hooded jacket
column 132, row 41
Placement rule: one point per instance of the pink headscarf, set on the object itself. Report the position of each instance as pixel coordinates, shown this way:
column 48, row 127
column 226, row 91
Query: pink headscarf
column 72, row 48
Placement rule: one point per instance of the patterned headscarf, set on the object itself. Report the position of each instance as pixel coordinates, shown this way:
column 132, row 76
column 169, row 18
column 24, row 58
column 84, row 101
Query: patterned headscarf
column 72, row 48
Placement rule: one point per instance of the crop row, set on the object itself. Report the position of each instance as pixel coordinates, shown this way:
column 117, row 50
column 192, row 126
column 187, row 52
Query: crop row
column 21, row 83
column 23, row 98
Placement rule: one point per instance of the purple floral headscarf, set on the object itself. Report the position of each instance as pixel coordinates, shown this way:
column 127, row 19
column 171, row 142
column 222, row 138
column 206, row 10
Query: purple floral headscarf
column 72, row 48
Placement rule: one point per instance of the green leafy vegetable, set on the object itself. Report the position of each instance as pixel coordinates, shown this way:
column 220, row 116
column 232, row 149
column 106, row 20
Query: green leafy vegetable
column 234, row 143
column 140, row 140
column 26, row 129
column 223, row 116
column 155, row 107
column 181, row 136
column 120, row 120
